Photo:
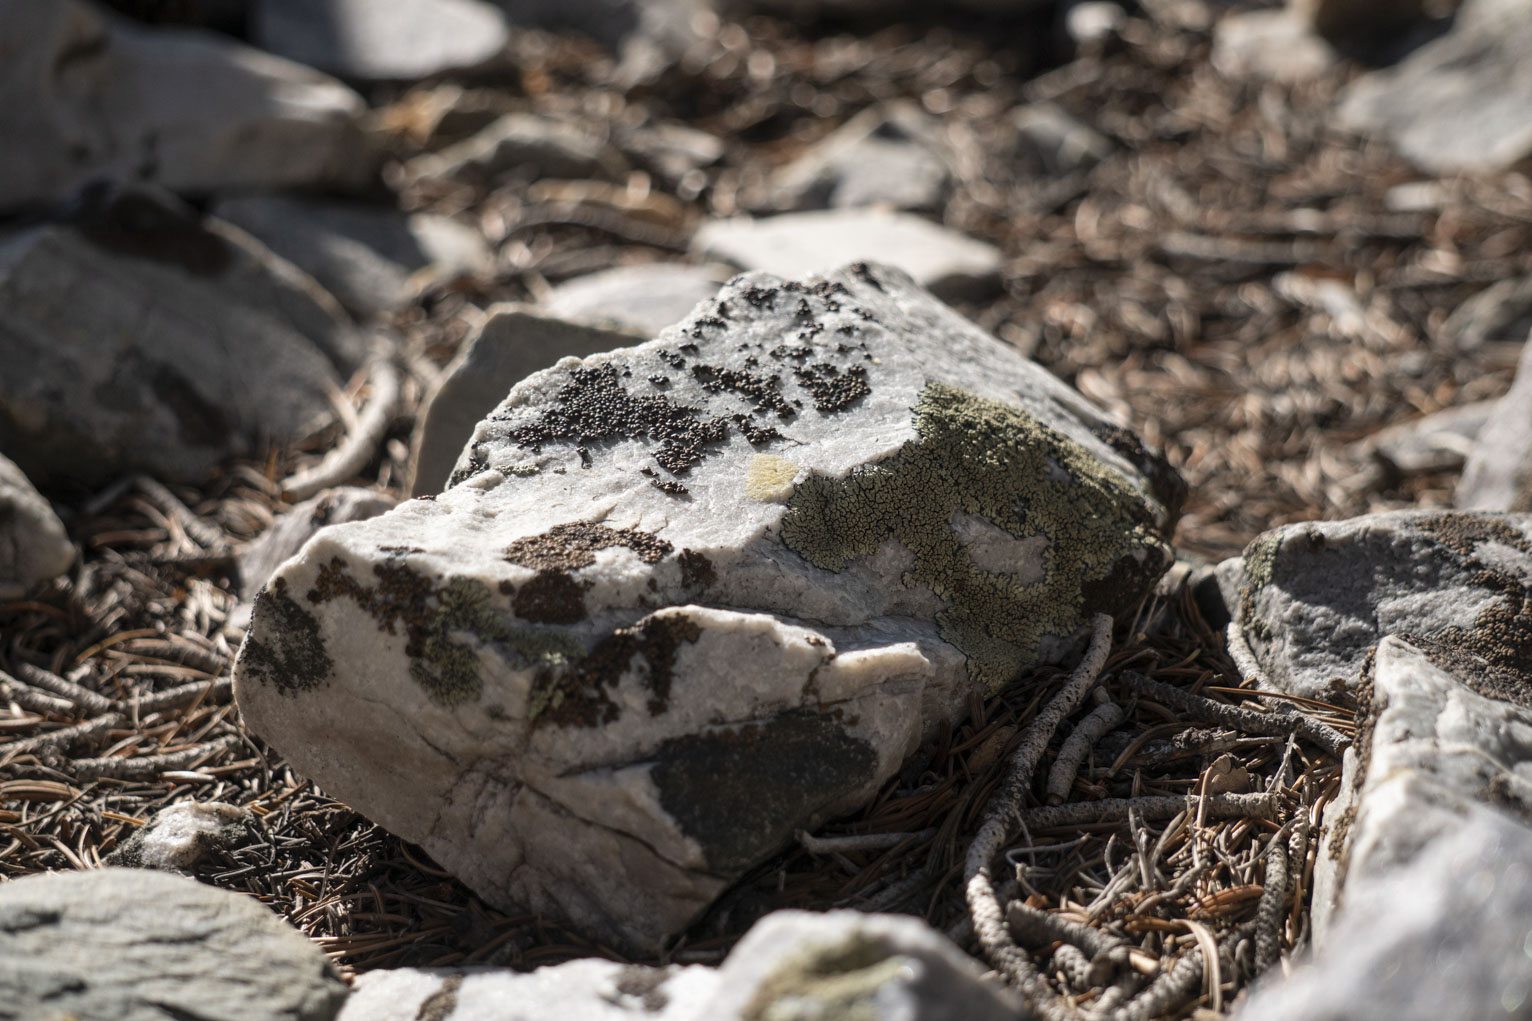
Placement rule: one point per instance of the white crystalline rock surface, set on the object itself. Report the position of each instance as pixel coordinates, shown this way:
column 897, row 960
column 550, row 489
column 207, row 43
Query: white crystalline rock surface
column 1314, row 598
column 682, row 599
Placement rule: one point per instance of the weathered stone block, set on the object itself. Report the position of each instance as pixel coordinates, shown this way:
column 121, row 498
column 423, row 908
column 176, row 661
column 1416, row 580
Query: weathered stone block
column 681, row 599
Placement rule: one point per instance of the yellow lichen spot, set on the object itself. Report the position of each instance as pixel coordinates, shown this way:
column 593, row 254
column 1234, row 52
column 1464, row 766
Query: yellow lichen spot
column 770, row 478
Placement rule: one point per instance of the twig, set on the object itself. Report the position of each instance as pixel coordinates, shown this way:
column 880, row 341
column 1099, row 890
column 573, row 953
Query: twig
column 1090, row 730
column 161, row 700
column 126, row 767
column 1251, row 720
column 36, row 701
column 86, row 699
column 63, row 736
column 858, row 842
column 353, row 453
column 1037, row 928
column 204, row 533
column 1176, row 984
column 1155, row 807
column 1269, row 912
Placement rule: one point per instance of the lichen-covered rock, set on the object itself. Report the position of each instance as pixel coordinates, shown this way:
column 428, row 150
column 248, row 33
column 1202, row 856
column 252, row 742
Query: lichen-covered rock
column 683, row 598
column 181, row 835
column 1423, row 878
column 139, row 945
column 157, row 341
column 1313, row 599
column 33, row 544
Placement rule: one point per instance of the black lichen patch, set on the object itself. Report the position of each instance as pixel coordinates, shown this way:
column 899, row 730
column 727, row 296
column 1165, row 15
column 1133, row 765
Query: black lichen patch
column 741, row 791
column 476, row 464
column 573, row 546
column 697, row 571
column 863, row 272
column 551, row 597
column 757, row 435
column 293, row 659
column 765, row 391
column 582, row 696
column 593, row 406
column 833, row 389
column 664, row 485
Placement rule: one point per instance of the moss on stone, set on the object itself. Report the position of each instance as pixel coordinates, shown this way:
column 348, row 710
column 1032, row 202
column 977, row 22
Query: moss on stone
column 1260, row 560
column 997, row 462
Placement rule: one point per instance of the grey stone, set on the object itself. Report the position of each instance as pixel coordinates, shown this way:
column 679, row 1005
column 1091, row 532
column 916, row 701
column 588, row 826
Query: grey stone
column 157, row 342
column 640, row 299
column 1316, row 597
column 1423, row 882
column 286, row 537
column 372, row 258
column 180, row 836
column 1056, row 141
column 525, row 143
column 944, row 262
column 34, row 547
column 668, row 149
column 682, row 599
column 584, row 990
column 140, row 945
column 1342, row 19
column 1462, row 102
column 846, row 964
column 1276, row 44
column 883, row 156
column 1432, row 443
column 1498, row 475
column 511, row 344
column 86, row 96
column 402, row 40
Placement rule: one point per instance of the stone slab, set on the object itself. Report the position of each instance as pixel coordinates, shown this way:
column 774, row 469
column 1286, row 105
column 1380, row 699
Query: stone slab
column 88, row 96
column 681, row 599
column 946, row 263
column 885, row 156
column 402, row 40
column 641, row 299
column 34, row 547
column 140, row 945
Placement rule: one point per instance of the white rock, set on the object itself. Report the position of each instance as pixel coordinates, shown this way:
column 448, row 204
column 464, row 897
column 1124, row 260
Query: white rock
column 1462, row 102
column 372, row 258
column 157, row 342
column 882, row 157
column 511, row 344
column 1433, row 884
column 298, row 525
column 584, row 990
column 139, row 944
column 530, row 144
column 1091, row 21
column 87, row 96
column 629, row 650
column 1316, row 597
column 1057, row 141
column 944, row 262
column 180, row 836
column 402, row 40
column 642, row 299
column 1276, row 44
column 34, row 547
column 1498, row 475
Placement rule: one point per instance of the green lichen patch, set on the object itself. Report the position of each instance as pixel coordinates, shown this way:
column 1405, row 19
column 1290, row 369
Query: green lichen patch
column 739, row 791
column 432, row 617
column 294, row 659
column 1260, row 560
column 581, row 696
column 997, row 462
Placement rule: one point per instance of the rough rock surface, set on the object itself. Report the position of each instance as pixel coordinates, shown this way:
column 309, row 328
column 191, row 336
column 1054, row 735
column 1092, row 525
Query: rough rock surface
column 1460, row 103
column 402, row 40
column 287, row 536
column 372, row 258
column 792, row 964
column 526, row 143
column 88, row 96
column 512, row 343
column 156, row 342
column 1498, row 475
column 944, row 262
column 644, row 299
column 138, row 945
column 34, row 547
column 1316, row 597
column 1427, row 850
column 883, row 156
column 684, row 598
column 180, row 836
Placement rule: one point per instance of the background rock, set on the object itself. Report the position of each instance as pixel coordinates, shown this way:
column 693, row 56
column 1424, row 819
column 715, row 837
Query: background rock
column 1440, row 441
column 946, row 263
column 885, row 156
column 528, row 144
column 641, row 299
column 86, row 96
column 1315, row 597
column 34, row 547
column 1462, row 102
column 179, row 836
column 287, row 536
column 682, row 599
column 1352, row 18
column 402, row 40
column 141, row 945
column 373, row 259
column 1057, row 142
column 156, row 342
column 1498, row 475
column 512, row 344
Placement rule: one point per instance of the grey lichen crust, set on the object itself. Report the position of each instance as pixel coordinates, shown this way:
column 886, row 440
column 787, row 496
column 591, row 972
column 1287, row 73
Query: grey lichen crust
column 999, row 463
column 683, row 598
